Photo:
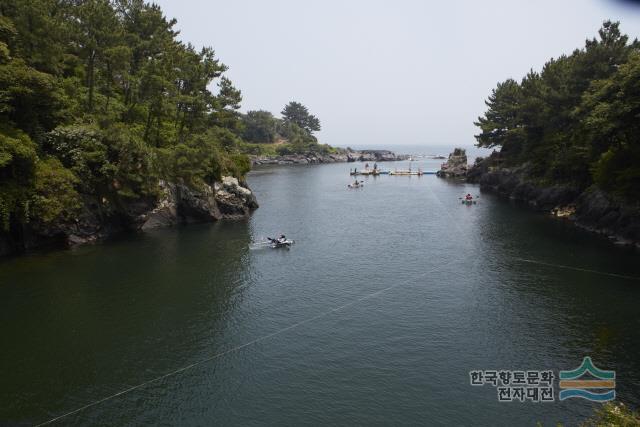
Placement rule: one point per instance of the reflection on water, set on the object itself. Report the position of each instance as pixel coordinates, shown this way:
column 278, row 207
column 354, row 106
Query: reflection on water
column 94, row 319
column 389, row 297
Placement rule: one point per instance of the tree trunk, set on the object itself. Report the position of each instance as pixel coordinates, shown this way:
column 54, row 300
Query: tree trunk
column 90, row 78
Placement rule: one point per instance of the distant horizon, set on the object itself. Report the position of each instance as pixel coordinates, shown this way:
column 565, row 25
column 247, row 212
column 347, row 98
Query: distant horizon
column 423, row 149
column 382, row 73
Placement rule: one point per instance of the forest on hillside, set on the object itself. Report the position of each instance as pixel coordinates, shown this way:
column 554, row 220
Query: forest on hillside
column 575, row 122
column 100, row 99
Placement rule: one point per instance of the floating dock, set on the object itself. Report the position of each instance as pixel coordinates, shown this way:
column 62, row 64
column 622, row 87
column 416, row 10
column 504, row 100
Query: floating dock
column 368, row 172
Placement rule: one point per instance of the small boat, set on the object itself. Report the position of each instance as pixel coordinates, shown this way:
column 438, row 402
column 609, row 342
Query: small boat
column 356, row 185
column 278, row 243
column 468, row 200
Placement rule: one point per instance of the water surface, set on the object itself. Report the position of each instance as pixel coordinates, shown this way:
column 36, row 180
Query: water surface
column 390, row 296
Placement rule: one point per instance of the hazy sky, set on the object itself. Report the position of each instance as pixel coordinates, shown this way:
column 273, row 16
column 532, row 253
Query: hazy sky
column 388, row 72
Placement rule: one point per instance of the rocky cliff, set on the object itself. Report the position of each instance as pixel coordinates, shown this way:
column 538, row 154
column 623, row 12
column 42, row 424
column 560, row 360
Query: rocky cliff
column 176, row 204
column 343, row 156
column 591, row 209
column 456, row 165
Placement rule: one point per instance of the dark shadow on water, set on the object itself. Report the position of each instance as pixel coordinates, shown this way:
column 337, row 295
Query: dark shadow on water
column 78, row 325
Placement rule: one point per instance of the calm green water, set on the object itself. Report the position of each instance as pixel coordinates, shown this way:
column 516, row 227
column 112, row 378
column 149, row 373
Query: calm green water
column 389, row 297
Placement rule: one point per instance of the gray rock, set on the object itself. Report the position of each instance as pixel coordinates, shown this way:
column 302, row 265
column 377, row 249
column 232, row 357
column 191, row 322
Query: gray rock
column 229, row 199
column 456, row 165
column 233, row 199
column 592, row 209
column 177, row 203
column 316, row 158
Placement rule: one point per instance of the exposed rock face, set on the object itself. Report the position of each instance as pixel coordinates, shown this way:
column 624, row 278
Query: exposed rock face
column 512, row 183
column 165, row 213
column 300, row 159
column 591, row 209
column 177, row 204
column 455, row 166
column 595, row 211
column 233, row 199
column 378, row 156
column 228, row 199
column 315, row 158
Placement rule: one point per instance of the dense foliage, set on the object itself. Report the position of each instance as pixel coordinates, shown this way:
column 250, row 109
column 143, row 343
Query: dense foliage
column 293, row 133
column 613, row 414
column 297, row 114
column 99, row 98
column 577, row 121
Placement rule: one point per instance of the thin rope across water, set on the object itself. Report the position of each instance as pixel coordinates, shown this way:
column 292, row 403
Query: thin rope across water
column 531, row 261
column 217, row 355
column 568, row 267
column 301, row 323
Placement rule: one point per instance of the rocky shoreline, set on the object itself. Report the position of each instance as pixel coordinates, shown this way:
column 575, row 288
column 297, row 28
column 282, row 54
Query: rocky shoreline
column 456, row 165
column 176, row 204
column 591, row 209
column 229, row 199
column 341, row 156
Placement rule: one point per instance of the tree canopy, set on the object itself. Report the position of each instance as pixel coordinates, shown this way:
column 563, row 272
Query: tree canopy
column 99, row 99
column 296, row 127
column 260, row 127
column 576, row 120
column 299, row 115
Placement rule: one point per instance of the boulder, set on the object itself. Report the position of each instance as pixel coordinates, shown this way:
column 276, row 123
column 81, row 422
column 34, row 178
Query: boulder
column 178, row 203
column 456, row 165
column 197, row 205
column 165, row 213
column 233, row 199
column 98, row 219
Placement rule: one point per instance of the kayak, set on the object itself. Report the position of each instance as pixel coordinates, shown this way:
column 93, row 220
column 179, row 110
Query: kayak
column 281, row 244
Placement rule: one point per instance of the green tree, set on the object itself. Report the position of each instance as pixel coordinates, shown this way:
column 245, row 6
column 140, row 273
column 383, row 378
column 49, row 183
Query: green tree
column 298, row 114
column 259, row 127
column 227, row 104
column 299, row 139
column 55, row 197
column 18, row 160
column 30, row 99
column 99, row 100
column 574, row 121
column 500, row 125
column 613, row 130
column 98, row 30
